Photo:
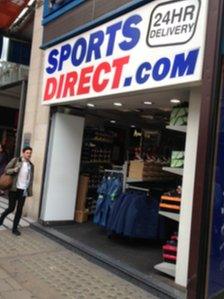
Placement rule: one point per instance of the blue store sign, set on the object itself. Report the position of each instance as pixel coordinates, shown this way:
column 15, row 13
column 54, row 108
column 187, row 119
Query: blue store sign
column 216, row 275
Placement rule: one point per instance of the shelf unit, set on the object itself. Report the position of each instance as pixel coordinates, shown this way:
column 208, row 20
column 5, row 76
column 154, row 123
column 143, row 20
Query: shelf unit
column 178, row 171
column 166, row 268
column 182, row 129
column 130, row 180
column 173, row 216
column 169, row 268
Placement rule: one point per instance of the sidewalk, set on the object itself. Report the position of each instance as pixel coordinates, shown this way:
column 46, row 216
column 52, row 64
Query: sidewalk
column 33, row 266
column 8, row 222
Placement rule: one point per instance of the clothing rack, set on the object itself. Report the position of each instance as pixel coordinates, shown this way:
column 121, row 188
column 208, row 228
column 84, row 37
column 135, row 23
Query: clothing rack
column 137, row 188
column 113, row 171
column 122, row 171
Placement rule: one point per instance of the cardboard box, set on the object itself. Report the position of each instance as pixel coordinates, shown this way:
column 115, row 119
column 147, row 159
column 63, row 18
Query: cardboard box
column 136, row 169
column 81, row 216
column 82, row 193
column 143, row 170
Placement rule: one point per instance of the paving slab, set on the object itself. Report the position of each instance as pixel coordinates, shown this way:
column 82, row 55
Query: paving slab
column 33, row 266
column 8, row 223
column 16, row 295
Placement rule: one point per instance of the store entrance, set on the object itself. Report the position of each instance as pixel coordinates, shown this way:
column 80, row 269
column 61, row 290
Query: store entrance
column 137, row 160
column 112, row 139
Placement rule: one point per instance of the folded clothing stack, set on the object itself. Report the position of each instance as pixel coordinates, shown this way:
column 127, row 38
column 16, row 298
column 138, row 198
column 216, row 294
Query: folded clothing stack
column 170, row 250
column 171, row 201
column 179, row 115
column 177, row 159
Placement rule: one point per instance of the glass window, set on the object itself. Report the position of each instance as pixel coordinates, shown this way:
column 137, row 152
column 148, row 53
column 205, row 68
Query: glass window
column 55, row 8
column 216, row 271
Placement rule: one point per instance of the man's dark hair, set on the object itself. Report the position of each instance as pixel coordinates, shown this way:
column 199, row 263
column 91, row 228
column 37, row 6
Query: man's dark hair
column 27, row 148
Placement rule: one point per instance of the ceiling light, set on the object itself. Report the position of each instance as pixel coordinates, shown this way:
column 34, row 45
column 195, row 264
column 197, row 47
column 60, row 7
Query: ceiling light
column 148, row 103
column 118, row 104
column 90, row 105
column 113, row 121
column 133, row 126
column 175, row 101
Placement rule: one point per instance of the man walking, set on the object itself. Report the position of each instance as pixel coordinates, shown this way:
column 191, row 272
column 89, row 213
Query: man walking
column 22, row 171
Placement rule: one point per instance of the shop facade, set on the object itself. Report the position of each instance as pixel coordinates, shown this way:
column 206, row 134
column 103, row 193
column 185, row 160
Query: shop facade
column 14, row 61
column 103, row 70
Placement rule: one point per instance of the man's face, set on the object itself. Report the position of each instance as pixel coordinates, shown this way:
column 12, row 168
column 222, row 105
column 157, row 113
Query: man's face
column 27, row 154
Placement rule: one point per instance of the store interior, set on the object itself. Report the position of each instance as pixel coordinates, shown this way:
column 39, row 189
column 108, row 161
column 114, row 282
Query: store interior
column 130, row 180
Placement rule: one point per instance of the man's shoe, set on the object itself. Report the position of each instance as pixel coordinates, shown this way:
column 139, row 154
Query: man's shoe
column 16, row 232
column 1, row 222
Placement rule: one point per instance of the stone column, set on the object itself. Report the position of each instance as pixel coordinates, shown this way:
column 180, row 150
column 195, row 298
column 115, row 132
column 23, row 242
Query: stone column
column 36, row 116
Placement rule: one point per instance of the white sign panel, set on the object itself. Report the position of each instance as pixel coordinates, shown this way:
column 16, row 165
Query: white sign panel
column 157, row 45
column 173, row 23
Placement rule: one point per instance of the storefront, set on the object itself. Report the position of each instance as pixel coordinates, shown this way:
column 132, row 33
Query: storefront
column 14, row 61
column 126, row 94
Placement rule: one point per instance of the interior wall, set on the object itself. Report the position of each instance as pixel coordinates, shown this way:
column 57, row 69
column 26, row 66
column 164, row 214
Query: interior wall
column 62, row 172
column 188, row 187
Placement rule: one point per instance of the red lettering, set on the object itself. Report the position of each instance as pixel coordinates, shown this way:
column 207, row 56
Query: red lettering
column 60, row 85
column 70, row 82
column 118, row 64
column 99, row 84
column 84, row 79
column 50, row 89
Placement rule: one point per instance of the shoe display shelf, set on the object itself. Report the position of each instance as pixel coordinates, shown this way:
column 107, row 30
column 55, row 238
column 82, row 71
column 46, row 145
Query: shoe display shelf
column 165, row 267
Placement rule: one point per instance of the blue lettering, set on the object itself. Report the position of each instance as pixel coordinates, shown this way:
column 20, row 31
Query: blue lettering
column 64, row 55
column 161, row 69
column 95, row 42
column 131, row 32
column 80, row 46
column 53, row 61
column 184, row 65
column 142, row 74
column 112, row 31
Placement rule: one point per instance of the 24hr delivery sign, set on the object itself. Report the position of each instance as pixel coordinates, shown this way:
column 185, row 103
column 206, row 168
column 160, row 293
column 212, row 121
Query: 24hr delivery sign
column 160, row 44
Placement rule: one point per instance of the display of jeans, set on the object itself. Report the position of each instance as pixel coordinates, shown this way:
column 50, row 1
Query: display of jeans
column 109, row 190
column 135, row 215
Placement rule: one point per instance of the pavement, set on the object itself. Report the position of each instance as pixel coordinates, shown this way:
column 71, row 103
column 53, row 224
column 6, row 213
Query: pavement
column 8, row 222
column 34, row 266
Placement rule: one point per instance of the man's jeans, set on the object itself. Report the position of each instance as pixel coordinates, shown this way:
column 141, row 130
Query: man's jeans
column 14, row 197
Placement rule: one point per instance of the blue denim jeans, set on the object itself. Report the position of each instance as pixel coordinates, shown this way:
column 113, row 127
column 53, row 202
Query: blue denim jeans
column 108, row 191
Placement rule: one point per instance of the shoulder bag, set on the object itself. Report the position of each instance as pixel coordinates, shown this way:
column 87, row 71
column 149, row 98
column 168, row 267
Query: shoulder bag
column 5, row 181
